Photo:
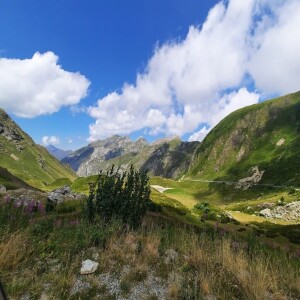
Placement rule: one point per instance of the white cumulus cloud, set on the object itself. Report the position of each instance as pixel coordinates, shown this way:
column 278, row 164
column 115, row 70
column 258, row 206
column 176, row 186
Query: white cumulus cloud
column 199, row 135
column 210, row 73
column 50, row 140
column 275, row 66
column 38, row 85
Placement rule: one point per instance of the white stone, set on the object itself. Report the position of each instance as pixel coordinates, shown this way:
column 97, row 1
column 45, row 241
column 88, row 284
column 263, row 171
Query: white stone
column 280, row 142
column 88, row 267
column 265, row 212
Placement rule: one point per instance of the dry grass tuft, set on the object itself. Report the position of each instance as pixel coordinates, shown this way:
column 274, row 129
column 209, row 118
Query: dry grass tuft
column 14, row 251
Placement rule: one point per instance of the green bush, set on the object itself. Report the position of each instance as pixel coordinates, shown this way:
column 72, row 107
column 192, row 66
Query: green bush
column 50, row 205
column 292, row 190
column 271, row 234
column 202, row 206
column 119, row 196
column 281, row 202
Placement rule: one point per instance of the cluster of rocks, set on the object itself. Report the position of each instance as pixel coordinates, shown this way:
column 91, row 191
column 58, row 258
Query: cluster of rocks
column 266, row 205
column 10, row 133
column 247, row 182
column 62, row 194
column 288, row 212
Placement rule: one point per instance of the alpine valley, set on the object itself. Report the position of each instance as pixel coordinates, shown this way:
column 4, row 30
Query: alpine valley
column 225, row 211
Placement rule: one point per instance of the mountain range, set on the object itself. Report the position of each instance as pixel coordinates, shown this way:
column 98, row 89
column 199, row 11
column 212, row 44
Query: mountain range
column 169, row 157
column 261, row 141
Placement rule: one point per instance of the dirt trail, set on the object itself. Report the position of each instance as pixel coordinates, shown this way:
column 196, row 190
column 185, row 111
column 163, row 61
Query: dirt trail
column 160, row 188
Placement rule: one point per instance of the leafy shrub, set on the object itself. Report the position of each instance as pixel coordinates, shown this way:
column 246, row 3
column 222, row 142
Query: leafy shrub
column 202, row 205
column 271, row 234
column 281, row 202
column 50, row 205
column 225, row 219
column 292, row 190
column 119, row 196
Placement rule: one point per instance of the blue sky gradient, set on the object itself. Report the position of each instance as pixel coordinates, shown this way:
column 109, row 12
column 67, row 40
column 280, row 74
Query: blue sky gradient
column 110, row 42
column 107, row 41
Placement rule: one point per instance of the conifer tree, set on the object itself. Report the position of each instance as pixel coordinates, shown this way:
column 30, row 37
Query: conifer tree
column 125, row 196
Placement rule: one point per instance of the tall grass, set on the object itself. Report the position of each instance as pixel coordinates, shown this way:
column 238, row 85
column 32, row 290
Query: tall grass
column 44, row 256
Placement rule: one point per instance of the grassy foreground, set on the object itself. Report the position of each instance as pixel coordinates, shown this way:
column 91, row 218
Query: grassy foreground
column 41, row 255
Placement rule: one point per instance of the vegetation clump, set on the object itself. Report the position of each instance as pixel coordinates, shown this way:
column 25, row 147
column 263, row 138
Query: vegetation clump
column 123, row 196
column 208, row 212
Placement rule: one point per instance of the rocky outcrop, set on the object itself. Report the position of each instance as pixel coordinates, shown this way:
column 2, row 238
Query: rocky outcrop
column 62, row 194
column 288, row 212
column 9, row 129
column 170, row 161
column 2, row 189
column 247, row 182
column 10, row 134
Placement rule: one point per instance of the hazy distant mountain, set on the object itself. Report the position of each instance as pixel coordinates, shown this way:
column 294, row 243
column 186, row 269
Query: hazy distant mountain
column 58, row 153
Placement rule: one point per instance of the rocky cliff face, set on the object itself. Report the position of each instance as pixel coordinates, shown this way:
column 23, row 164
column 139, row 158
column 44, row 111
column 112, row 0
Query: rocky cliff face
column 116, row 146
column 167, row 157
column 170, row 161
column 87, row 160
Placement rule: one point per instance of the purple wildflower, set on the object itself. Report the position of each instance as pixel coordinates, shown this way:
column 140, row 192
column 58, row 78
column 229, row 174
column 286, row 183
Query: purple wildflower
column 31, row 206
column 7, row 199
column 18, row 204
column 41, row 208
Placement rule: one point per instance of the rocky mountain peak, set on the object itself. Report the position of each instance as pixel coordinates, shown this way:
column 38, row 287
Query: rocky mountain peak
column 141, row 141
column 117, row 140
column 166, row 140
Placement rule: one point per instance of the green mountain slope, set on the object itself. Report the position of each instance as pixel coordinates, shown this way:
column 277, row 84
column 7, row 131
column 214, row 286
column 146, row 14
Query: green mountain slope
column 266, row 135
column 26, row 160
column 10, row 181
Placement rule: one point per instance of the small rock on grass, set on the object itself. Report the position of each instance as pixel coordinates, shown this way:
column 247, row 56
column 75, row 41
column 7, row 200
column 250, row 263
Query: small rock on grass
column 2, row 189
column 88, row 267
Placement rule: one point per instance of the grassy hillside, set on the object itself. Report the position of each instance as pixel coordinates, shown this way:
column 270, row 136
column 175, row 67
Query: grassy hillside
column 26, row 160
column 264, row 135
column 41, row 255
column 10, row 181
column 81, row 184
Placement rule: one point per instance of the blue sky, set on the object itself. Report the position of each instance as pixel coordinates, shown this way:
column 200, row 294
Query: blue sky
column 146, row 67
